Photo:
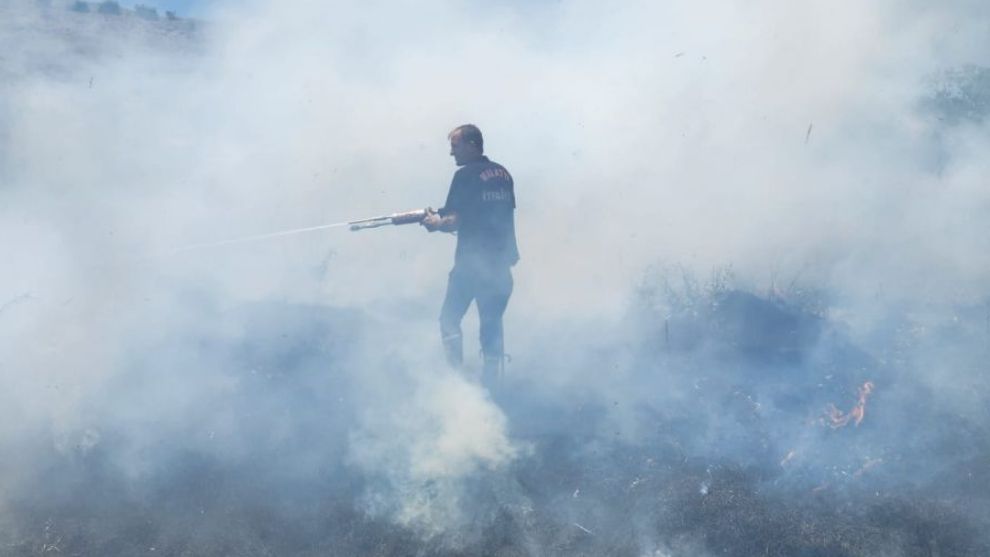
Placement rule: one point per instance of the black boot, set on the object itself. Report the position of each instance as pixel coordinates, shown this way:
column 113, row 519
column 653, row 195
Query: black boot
column 492, row 372
column 453, row 348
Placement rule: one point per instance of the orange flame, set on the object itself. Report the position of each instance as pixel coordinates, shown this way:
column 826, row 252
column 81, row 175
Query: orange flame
column 835, row 418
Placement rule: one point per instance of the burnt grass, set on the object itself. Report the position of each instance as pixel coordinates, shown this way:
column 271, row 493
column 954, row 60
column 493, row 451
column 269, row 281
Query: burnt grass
column 707, row 474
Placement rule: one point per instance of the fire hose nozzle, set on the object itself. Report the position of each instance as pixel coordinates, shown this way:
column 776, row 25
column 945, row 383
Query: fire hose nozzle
column 408, row 217
column 369, row 223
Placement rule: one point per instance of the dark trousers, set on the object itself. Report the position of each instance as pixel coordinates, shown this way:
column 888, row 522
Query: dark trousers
column 490, row 288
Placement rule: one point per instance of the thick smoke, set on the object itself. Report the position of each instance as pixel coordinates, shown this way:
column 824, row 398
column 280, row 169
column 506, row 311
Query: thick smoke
column 731, row 214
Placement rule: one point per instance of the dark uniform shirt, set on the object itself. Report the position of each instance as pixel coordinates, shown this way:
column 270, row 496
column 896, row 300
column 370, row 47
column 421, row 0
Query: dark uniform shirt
column 482, row 196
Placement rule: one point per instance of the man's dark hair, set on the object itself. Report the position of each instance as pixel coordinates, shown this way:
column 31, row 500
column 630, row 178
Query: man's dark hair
column 471, row 134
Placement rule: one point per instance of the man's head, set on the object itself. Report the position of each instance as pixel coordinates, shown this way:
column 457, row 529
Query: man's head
column 466, row 144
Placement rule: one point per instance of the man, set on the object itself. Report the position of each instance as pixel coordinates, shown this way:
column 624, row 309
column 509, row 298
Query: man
column 480, row 209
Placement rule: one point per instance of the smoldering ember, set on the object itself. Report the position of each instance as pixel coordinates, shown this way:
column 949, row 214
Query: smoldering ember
column 727, row 335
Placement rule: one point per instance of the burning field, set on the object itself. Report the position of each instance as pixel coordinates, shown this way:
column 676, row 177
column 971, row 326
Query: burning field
column 766, row 441
column 750, row 316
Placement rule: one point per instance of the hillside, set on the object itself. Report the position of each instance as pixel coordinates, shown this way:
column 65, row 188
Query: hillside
column 55, row 39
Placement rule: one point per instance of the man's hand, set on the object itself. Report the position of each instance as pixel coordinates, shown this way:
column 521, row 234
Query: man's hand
column 433, row 222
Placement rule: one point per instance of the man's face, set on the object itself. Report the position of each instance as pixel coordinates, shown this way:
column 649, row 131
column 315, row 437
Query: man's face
column 462, row 151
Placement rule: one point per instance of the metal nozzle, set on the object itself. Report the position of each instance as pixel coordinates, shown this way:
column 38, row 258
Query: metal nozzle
column 369, row 223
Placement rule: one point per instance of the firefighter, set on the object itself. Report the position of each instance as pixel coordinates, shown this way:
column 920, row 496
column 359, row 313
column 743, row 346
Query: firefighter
column 480, row 208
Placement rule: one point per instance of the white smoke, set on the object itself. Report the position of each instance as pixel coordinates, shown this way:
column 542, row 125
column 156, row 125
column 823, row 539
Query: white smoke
column 425, row 447
column 781, row 138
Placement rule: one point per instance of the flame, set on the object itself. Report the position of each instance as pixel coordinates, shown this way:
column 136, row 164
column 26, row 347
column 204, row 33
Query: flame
column 835, row 418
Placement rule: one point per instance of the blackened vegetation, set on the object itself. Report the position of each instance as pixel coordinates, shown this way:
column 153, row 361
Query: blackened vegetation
column 731, row 454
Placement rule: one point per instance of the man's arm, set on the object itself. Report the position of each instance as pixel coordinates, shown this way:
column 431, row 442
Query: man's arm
column 445, row 219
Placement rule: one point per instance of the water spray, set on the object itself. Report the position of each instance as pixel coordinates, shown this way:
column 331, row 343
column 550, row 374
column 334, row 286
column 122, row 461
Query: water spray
column 259, row 237
column 408, row 217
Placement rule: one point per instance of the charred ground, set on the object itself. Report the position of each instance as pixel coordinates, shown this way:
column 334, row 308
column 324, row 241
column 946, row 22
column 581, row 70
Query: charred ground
column 732, row 454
